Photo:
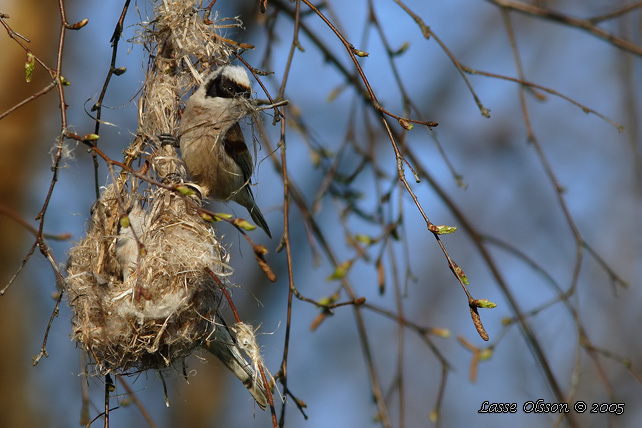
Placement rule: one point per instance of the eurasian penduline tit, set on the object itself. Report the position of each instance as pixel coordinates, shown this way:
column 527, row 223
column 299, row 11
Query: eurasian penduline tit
column 212, row 143
column 221, row 343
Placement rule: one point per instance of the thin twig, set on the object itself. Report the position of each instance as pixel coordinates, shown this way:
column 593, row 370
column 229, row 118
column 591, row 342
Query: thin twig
column 583, row 24
column 43, row 347
column 141, row 408
column 98, row 106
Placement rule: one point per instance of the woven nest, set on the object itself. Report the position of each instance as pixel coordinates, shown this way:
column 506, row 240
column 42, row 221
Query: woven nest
column 152, row 310
column 148, row 309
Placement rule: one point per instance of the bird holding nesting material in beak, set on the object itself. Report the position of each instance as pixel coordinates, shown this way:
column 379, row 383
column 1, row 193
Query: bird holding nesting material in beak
column 212, row 143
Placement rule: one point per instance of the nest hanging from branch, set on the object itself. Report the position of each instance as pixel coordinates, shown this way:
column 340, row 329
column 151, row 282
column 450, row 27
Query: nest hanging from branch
column 153, row 313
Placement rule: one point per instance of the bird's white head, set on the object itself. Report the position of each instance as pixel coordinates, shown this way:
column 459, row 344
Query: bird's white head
column 224, row 95
column 228, row 81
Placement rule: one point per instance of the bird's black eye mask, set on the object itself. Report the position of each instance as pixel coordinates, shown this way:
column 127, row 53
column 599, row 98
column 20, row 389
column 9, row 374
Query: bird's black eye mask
column 224, row 87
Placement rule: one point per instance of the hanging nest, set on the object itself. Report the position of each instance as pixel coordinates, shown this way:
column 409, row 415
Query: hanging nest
column 141, row 298
column 152, row 307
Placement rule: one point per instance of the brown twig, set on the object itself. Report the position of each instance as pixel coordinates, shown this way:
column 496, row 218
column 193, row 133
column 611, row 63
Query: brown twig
column 583, row 24
column 20, row 220
column 109, row 386
column 297, row 197
column 400, row 158
column 98, row 106
column 288, row 254
column 43, row 347
column 141, row 408
column 526, row 328
column 30, row 98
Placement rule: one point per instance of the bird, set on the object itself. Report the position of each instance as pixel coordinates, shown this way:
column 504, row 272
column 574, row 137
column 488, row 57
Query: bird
column 224, row 346
column 211, row 140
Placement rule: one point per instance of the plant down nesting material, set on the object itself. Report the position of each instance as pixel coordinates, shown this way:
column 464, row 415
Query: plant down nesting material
column 152, row 311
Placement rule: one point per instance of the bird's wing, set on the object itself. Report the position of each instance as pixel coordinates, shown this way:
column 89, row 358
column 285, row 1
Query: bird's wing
column 235, row 147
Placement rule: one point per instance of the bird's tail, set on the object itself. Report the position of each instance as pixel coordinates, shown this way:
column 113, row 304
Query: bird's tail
column 245, row 197
column 257, row 217
column 226, row 348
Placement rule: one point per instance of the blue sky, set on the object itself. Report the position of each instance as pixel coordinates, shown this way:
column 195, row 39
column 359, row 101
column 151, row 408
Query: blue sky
column 508, row 196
